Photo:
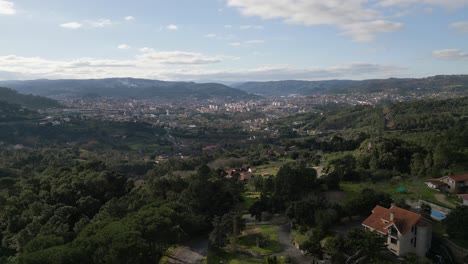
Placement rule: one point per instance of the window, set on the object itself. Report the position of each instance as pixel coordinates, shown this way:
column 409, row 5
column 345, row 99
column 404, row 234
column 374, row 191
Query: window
column 393, row 241
column 393, row 231
column 415, row 230
column 414, row 242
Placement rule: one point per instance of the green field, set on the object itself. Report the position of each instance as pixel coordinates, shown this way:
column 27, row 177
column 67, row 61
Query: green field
column 269, row 233
column 221, row 256
column 249, row 242
column 249, row 200
column 416, row 190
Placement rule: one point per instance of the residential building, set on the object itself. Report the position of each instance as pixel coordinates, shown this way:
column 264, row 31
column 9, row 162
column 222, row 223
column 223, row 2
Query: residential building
column 456, row 183
column 405, row 231
column 437, row 184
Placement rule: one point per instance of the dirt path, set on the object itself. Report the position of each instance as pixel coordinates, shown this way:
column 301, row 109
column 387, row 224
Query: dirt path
column 289, row 249
column 441, row 198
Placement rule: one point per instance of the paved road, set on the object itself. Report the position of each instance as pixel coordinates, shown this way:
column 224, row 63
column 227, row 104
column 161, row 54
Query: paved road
column 288, row 248
column 190, row 254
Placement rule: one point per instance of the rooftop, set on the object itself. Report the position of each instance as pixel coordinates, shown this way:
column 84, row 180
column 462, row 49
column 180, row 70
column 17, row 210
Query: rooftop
column 459, row 177
column 380, row 219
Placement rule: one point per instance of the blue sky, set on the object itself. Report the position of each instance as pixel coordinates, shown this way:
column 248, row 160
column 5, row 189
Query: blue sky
column 232, row 40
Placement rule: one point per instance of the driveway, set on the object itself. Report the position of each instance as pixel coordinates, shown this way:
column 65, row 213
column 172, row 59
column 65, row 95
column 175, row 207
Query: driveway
column 284, row 234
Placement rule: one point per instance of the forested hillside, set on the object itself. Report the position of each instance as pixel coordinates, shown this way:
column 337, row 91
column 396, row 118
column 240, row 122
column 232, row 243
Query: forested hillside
column 10, row 113
column 129, row 88
column 29, row 101
column 456, row 84
column 105, row 192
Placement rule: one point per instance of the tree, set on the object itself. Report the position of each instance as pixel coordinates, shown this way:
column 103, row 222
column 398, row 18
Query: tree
column 457, row 223
column 426, row 210
column 313, row 247
column 334, row 247
column 333, row 181
column 217, row 236
column 364, row 247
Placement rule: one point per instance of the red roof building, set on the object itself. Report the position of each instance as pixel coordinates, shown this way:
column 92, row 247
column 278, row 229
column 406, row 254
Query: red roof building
column 406, row 231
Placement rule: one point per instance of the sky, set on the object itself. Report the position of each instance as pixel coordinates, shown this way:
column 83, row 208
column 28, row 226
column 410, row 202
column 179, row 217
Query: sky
column 232, row 40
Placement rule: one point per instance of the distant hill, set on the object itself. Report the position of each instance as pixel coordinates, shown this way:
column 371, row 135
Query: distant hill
column 436, row 84
column 26, row 100
column 279, row 88
column 420, row 115
column 13, row 113
column 126, row 88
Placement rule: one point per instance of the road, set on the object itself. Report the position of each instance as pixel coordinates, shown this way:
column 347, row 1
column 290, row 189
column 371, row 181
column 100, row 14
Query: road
column 289, row 249
column 193, row 253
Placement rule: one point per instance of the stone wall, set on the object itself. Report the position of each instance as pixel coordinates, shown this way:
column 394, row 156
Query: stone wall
column 436, row 207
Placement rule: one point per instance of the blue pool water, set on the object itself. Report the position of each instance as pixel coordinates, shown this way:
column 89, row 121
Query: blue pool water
column 437, row 215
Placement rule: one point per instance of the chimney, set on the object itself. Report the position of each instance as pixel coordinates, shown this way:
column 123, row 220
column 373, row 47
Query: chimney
column 392, row 216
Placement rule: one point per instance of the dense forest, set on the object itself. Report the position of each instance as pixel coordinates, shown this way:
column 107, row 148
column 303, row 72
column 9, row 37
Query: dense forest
column 456, row 84
column 130, row 88
column 100, row 201
column 28, row 101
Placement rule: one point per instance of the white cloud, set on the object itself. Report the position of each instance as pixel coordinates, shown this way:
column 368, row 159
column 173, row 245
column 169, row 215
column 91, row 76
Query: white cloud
column 123, row 46
column 87, row 62
column 246, row 27
column 228, row 26
column 450, row 54
column 71, row 25
column 211, row 35
column 176, row 57
column 357, row 18
column 461, row 26
column 7, row 8
column 177, row 65
column 365, row 31
column 129, row 18
column 405, row 3
column 172, row 27
column 100, row 23
column 255, row 41
column 274, row 73
column 307, row 12
column 247, row 43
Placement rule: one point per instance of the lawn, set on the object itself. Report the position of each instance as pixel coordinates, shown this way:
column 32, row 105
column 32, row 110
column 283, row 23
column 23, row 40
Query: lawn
column 272, row 167
column 269, row 233
column 298, row 237
column 417, row 190
column 216, row 256
column 249, row 199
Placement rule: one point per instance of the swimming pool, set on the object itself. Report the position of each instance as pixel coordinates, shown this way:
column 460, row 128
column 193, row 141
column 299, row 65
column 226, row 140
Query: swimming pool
column 437, row 215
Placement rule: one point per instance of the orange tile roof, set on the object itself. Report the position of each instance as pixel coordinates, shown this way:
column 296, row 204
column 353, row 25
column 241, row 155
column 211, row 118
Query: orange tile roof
column 459, row 177
column 380, row 219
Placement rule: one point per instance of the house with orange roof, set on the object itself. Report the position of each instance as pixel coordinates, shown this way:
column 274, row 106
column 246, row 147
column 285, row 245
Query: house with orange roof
column 405, row 231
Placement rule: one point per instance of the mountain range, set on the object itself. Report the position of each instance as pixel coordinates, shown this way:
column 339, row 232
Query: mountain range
column 435, row 84
column 126, row 88
column 131, row 88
